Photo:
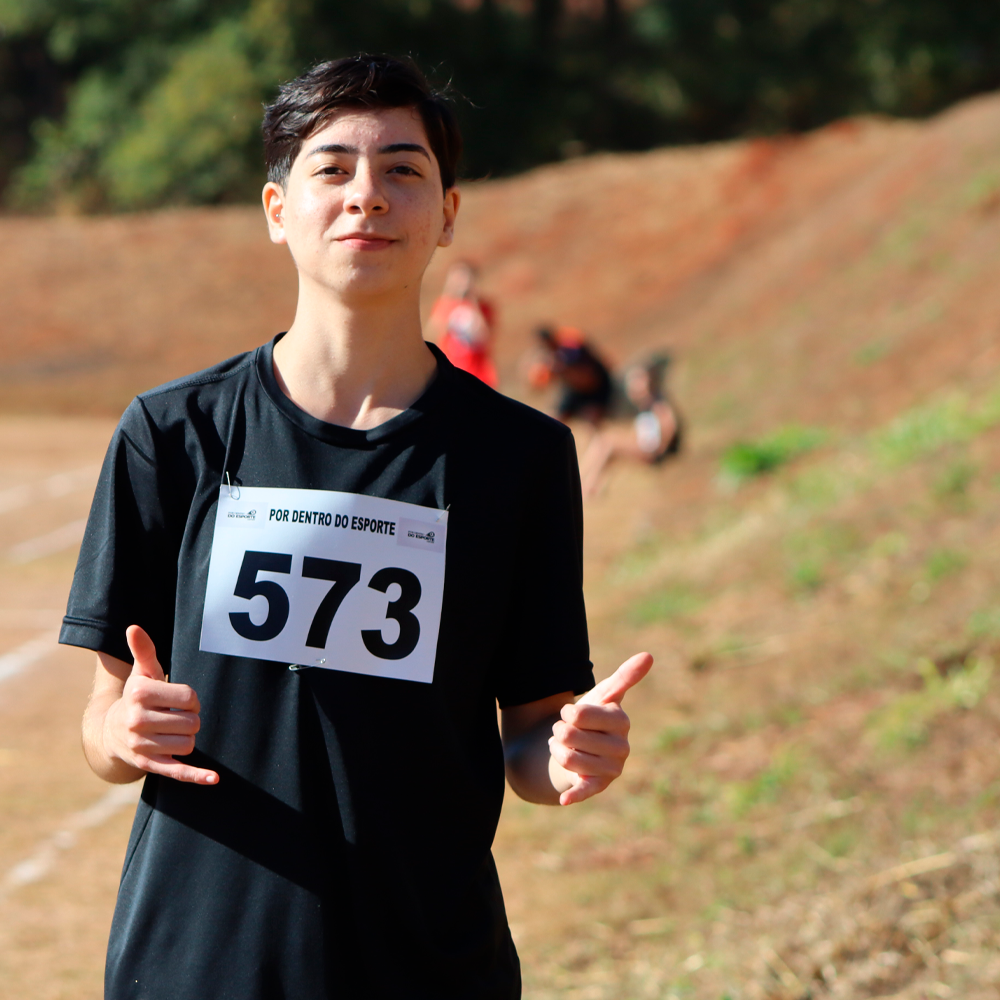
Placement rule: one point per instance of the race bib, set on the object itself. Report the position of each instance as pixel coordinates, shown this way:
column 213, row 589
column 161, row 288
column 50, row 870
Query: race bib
column 322, row 579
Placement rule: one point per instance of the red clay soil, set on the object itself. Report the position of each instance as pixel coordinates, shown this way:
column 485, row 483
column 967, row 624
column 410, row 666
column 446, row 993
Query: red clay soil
column 827, row 253
column 633, row 248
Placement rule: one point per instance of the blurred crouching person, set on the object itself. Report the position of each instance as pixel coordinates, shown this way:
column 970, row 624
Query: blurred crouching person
column 654, row 433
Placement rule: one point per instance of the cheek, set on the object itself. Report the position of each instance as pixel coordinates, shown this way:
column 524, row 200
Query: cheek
column 314, row 207
column 425, row 216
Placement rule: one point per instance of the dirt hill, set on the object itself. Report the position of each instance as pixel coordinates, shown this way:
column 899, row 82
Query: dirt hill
column 811, row 806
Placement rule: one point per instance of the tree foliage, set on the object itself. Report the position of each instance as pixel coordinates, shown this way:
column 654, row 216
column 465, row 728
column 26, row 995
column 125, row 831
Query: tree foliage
column 123, row 104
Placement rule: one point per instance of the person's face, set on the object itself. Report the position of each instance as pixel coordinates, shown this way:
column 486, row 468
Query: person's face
column 637, row 387
column 363, row 209
column 458, row 284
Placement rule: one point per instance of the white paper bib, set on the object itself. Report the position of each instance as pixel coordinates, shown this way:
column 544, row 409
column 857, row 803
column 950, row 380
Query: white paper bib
column 323, row 579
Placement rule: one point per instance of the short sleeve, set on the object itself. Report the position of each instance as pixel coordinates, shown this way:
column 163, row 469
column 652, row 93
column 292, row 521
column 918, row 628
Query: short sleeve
column 127, row 569
column 544, row 647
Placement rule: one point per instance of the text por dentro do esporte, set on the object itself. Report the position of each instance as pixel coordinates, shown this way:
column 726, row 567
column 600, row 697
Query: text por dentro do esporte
column 352, row 522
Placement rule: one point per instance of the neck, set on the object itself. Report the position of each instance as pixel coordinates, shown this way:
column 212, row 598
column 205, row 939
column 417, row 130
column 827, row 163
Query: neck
column 356, row 363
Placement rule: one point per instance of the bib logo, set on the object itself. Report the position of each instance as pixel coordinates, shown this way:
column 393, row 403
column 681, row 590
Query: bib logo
column 242, row 515
column 421, row 535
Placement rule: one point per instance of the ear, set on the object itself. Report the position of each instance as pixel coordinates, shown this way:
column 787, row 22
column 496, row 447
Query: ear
column 452, row 199
column 273, row 197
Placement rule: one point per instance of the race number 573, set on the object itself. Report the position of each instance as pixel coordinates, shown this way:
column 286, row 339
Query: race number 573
column 343, row 578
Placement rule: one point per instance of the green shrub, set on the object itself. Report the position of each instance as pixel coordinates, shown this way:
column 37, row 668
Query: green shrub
column 747, row 459
column 188, row 142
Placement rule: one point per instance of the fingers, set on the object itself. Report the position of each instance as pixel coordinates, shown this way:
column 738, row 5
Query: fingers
column 162, row 745
column 602, row 718
column 582, row 763
column 613, row 689
column 589, row 741
column 143, row 653
column 150, row 724
column 152, row 694
column 171, row 768
column 584, row 788
column 155, row 720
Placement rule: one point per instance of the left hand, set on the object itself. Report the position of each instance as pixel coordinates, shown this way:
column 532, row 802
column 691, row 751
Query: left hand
column 589, row 743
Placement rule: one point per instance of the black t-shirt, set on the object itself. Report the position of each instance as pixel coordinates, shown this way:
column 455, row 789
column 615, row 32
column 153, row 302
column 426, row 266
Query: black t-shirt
column 345, row 852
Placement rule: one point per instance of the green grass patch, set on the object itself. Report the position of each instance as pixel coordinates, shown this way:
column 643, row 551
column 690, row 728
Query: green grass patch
column 984, row 624
column 892, row 543
column 905, row 722
column 944, row 562
column 954, row 482
column 873, row 352
column 747, row 459
column 926, row 429
column 813, row 554
column 673, row 736
column 766, row 788
column 667, row 603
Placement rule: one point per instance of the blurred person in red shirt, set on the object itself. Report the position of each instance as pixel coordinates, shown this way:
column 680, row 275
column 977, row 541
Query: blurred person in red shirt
column 464, row 323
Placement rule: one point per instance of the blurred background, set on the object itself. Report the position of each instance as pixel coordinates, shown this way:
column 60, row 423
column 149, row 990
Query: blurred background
column 800, row 202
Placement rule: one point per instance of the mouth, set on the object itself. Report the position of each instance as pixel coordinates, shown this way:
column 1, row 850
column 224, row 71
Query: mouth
column 365, row 241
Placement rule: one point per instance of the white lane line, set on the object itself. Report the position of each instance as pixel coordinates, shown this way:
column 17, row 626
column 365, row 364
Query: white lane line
column 39, row 864
column 26, row 655
column 46, row 545
column 59, row 485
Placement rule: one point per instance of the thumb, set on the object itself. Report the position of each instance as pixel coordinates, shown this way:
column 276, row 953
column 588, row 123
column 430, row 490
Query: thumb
column 144, row 653
column 612, row 689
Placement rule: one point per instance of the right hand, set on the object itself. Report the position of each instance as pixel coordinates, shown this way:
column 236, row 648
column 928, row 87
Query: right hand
column 154, row 720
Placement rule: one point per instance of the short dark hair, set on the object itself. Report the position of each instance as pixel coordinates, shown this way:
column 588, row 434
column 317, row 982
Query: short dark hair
column 308, row 102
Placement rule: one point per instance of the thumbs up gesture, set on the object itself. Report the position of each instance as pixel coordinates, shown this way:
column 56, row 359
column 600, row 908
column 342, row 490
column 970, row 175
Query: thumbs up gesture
column 154, row 721
column 589, row 743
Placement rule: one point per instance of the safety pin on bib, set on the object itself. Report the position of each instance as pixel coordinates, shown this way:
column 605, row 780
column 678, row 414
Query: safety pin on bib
column 232, row 495
column 294, row 667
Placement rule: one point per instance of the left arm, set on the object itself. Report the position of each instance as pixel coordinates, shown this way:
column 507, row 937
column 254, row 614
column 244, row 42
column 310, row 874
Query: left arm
column 558, row 752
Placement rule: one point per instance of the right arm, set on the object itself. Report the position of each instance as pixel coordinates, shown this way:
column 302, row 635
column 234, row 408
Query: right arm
column 136, row 721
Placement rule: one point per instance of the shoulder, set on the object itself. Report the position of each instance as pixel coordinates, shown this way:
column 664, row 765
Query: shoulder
column 499, row 420
column 222, row 375
column 202, row 398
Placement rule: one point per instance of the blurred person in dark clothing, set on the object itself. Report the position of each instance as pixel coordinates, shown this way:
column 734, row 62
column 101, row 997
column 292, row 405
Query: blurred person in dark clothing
column 585, row 377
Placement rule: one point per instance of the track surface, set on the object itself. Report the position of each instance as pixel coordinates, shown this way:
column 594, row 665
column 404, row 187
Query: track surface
column 59, row 856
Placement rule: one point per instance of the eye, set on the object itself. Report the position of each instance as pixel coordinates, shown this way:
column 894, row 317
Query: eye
column 405, row 169
column 330, row 170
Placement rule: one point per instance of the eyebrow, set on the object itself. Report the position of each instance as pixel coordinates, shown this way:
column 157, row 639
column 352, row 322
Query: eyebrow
column 396, row 147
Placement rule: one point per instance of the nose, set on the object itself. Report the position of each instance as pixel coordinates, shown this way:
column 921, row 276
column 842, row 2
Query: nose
column 365, row 196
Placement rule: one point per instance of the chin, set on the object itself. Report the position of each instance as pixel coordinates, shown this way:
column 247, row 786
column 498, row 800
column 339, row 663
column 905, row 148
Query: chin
column 366, row 282
column 369, row 277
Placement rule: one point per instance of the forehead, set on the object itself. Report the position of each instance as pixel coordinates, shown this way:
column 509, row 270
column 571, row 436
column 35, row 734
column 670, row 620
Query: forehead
column 365, row 127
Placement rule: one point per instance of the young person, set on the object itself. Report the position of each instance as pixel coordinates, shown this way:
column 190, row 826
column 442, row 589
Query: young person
column 310, row 573
column 586, row 379
column 655, row 430
column 465, row 324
